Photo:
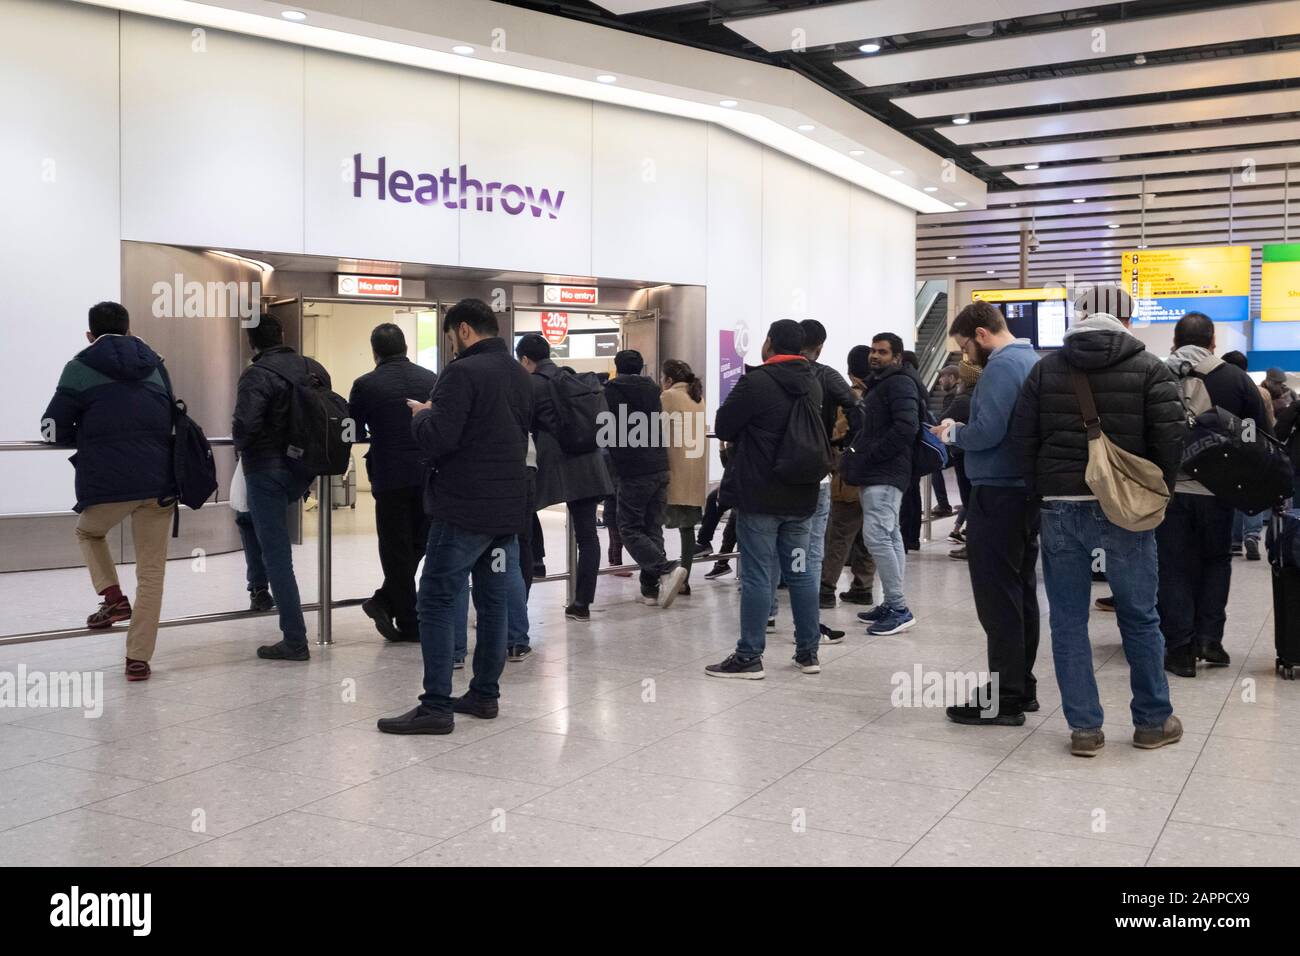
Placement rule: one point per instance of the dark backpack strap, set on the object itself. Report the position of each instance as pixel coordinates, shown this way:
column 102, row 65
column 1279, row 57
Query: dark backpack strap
column 1083, row 391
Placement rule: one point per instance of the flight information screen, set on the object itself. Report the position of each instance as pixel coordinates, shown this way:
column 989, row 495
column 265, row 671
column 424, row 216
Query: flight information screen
column 1039, row 315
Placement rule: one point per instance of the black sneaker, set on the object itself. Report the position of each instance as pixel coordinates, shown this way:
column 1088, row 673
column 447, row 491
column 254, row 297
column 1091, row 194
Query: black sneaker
column 283, row 652
column 458, row 663
column 578, row 612
column 685, row 591
column 481, row 707
column 720, row 570
column 807, row 662
column 1237, row 550
column 1007, row 715
column 1252, row 549
column 1181, row 661
column 1105, row 604
column 941, row 511
column 831, row 635
column 857, row 596
column 517, row 652
column 384, row 623
column 958, row 554
column 413, row 722
column 539, row 569
column 649, row 598
column 957, row 535
column 1213, row 654
column 702, row 549
column 771, row 624
column 259, row 599
column 826, row 600
column 736, row 666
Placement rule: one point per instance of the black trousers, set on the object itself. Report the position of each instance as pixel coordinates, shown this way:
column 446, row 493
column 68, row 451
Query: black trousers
column 712, row 515
column 909, row 516
column 403, row 530
column 583, row 515
column 530, row 537
column 939, row 484
column 1002, row 545
column 641, row 503
column 1194, row 544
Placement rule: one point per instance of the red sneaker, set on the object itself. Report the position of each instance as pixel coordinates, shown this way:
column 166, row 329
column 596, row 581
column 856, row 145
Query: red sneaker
column 137, row 670
column 110, row 613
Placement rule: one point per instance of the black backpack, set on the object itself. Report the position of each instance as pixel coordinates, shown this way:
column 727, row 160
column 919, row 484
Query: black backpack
column 803, row 452
column 578, row 400
column 318, row 427
column 193, row 467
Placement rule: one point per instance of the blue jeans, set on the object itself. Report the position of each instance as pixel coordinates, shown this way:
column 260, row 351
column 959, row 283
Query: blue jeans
column 270, row 493
column 453, row 556
column 254, row 569
column 883, row 537
column 516, row 611
column 1074, row 535
column 1244, row 526
column 774, row 547
column 816, row 541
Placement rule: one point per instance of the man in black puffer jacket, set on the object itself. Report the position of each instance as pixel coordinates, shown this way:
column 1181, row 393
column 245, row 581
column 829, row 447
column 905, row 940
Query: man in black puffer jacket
column 113, row 402
column 773, row 517
column 474, row 430
column 1140, row 410
column 632, row 433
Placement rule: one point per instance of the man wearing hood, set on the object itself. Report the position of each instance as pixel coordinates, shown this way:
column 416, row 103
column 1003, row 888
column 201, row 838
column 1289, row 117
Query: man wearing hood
column 1195, row 539
column 1140, row 411
column 113, row 402
column 641, row 467
column 773, row 517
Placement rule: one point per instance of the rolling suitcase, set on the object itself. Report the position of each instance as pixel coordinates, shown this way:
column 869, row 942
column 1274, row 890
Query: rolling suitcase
column 1284, row 559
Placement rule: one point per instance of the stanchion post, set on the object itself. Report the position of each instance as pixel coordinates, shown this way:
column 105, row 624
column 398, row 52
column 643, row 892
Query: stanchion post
column 927, row 502
column 571, row 578
column 324, row 591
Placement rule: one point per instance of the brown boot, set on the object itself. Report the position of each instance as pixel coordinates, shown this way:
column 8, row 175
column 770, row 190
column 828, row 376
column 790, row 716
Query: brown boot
column 137, row 670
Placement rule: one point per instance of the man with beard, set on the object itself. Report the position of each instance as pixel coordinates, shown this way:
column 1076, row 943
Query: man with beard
column 1002, row 521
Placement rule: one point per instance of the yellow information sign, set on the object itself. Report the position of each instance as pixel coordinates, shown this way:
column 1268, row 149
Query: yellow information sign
column 1280, row 283
column 1166, row 283
column 1017, row 295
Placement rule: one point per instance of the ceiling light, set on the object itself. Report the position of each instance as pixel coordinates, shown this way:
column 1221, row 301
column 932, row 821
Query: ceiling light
column 607, row 78
column 805, row 127
column 979, row 33
column 1109, row 159
column 856, row 152
column 1112, row 225
column 1014, row 205
column 932, row 189
column 1031, row 166
column 1078, row 200
column 990, row 272
column 297, row 16
column 950, row 258
column 727, row 103
column 870, row 48
column 1140, row 59
column 463, row 50
column 896, row 172
column 961, row 120
column 960, row 202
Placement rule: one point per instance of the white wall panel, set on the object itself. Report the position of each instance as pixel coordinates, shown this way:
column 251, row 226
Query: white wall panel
column 828, row 265
column 531, row 140
column 405, row 115
column 787, row 228
column 58, row 164
column 882, row 268
column 649, row 196
column 212, row 149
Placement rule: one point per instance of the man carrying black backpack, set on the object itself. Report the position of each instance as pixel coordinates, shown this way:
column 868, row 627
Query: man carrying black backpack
column 275, row 480
column 576, row 477
column 1194, row 542
column 782, row 453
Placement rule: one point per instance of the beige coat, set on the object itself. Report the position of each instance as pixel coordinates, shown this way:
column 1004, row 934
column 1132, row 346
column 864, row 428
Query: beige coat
column 687, row 476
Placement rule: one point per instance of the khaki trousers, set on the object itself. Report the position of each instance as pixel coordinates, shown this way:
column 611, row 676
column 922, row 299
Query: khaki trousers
column 150, row 523
column 844, row 539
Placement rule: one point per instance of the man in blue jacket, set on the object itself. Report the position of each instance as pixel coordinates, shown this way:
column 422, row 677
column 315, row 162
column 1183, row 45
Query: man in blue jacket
column 113, row 402
column 1001, row 518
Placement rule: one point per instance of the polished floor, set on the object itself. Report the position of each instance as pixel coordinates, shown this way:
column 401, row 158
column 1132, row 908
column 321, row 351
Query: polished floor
column 613, row 748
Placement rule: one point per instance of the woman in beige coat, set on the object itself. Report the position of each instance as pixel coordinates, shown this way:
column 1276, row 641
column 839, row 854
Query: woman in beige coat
column 688, row 470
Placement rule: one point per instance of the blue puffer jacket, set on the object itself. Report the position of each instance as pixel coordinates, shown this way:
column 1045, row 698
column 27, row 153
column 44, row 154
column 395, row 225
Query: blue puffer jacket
column 113, row 404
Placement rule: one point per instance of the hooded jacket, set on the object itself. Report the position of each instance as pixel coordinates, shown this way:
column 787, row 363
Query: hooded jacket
column 635, row 450
column 891, row 421
column 1137, row 400
column 113, row 402
column 754, row 417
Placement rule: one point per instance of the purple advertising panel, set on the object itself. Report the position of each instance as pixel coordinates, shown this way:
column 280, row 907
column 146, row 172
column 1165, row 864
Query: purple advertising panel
column 730, row 363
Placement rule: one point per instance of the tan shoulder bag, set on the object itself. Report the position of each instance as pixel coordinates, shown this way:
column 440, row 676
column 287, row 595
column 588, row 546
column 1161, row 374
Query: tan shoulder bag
column 1131, row 490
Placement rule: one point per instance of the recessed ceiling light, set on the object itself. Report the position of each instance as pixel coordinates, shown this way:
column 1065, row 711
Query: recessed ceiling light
column 607, row 78
column 727, row 103
column 1014, row 205
column 1031, row 166
column 296, row 16
column 932, row 189
column 856, row 152
column 805, row 127
column 980, row 33
column 1078, row 200
column 896, row 172
column 990, row 272
column 1140, row 59
column 463, row 50
column 961, row 120
column 1109, row 159
column 950, row 258
column 1112, row 225
column 870, row 48
column 960, row 202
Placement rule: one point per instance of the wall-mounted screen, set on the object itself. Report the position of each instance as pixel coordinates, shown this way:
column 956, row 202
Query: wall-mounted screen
column 1280, row 283
column 1167, row 283
column 1039, row 315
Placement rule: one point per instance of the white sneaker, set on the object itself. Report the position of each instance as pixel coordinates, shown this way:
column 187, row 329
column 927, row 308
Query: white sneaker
column 672, row 585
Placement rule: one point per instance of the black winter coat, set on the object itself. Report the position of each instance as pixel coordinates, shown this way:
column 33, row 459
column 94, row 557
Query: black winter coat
column 561, row 476
column 633, row 398
column 377, row 404
column 261, row 422
column 475, row 436
column 113, row 403
column 754, row 417
column 836, row 394
column 1137, row 399
column 892, row 411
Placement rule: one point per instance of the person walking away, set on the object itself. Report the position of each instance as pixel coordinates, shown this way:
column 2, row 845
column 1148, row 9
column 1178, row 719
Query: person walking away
column 641, row 466
column 274, row 480
column 844, row 526
column 474, row 431
column 579, row 480
column 113, row 403
column 396, row 468
column 1002, row 518
column 688, row 474
column 773, row 415
column 1139, row 411
column 1194, row 542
